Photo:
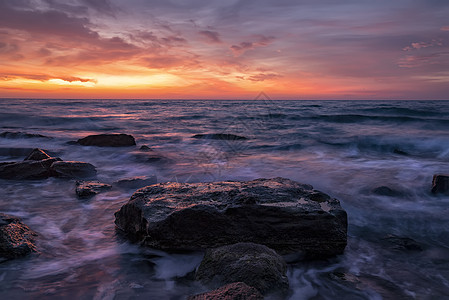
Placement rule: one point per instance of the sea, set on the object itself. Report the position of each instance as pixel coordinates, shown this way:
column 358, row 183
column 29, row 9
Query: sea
column 377, row 157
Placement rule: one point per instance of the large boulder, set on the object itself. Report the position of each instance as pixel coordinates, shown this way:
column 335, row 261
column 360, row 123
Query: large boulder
column 108, row 140
column 29, row 169
column 232, row 291
column 256, row 265
column 282, row 214
column 73, row 169
column 86, row 189
column 16, row 239
column 440, row 184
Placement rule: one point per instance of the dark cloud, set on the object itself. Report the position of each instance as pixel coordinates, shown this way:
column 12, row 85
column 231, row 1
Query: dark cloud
column 102, row 6
column 261, row 41
column 211, row 36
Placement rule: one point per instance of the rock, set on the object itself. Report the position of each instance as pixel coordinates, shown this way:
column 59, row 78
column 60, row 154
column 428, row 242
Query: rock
column 232, row 291
column 16, row 238
column 440, row 184
column 73, row 169
column 21, row 135
column 15, row 152
column 278, row 213
column 85, row 189
column 29, row 169
column 256, row 265
column 145, row 148
column 386, row 191
column 400, row 152
column 219, row 136
column 402, row 243
column 136, row 182
column 108, row 140
column 37, row 154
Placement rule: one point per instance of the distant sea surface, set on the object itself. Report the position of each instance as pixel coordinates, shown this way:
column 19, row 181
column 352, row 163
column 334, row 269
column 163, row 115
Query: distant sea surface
column 346, row 149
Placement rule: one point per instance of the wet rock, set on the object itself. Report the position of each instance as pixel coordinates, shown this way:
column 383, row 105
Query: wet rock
column 145, row 148
column 256, row 265
column 386, row 191
column 136, row 182
column 400, row 152
column 232, row 291
column 86, row 189
column 402, row 243
column 108, row 140
column 278, row 213
column 149, row 157
column 37, row 154
column 73, row 169
column 219, row 136
column 440, row 184
column 29, row 169
column 15, row 152
column 16, row 238
column 21, row 135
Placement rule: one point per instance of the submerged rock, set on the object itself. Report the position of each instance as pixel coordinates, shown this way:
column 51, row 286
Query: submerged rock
column 145, row 148
column 85, row 189
column 232, row 291
column 278, row 213
column 16, row 238
column 402, row 243
column 29, row 169
column 108, row 140
column 256, row 265
column 219, row 136
column 37, row 154
column 136, row 182
column 386, row 191
column 21, row 135
column 440, row 184
column 73, row 169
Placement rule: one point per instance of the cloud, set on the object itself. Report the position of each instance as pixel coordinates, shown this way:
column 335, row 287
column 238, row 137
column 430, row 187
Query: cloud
column 43, row 77
column 264, row 76
column 444, row 28
column 421, row 45
column 211, row 36
column 261, row 41
column 102, row 6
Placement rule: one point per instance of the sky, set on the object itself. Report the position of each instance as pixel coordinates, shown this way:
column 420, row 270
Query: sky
column 208, row 49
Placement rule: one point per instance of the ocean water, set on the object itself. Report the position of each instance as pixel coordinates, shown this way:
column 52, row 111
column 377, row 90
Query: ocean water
column 343, row 148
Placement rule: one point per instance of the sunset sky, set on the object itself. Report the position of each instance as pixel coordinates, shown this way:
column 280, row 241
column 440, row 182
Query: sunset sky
column 290, row 49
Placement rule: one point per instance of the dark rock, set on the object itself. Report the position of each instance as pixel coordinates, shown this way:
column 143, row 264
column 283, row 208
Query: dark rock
column 29, row 169
column 402, row 243
column 37, row 154
column 149, row 157
column 232, row 291
column 145, row 148
column 219, row 136
column 386, row 191
column 256, row 265
column 16, row 238
column 15, row 152
column 440, row 184
column 108, row 140
column 400, row 152
column 278, row 213
column 21, row 135
column 136, row 182
column 85, row 189
column 73, row 169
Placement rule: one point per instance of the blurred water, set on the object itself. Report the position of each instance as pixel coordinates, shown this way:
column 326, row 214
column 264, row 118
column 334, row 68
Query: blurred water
column 344, row 148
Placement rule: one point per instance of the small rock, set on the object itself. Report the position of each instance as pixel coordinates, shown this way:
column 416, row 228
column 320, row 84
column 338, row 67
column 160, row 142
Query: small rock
column 16, row 238
column 85, row 189
column 73, row 169
column 108, row 140
column 219, row 136
column 21, row 135
column 256, row 265
column 386, row 191
column 145, row 148
column 37, row 154
column 440, row 184
column 29, row 169
column 136, row 182
column 400, row 152
column 402, row 243
column 232, row 291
